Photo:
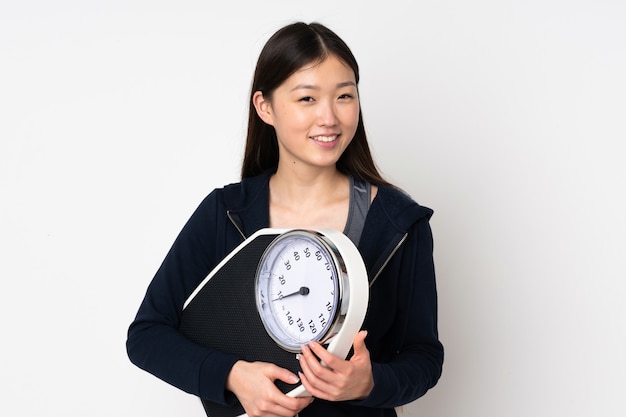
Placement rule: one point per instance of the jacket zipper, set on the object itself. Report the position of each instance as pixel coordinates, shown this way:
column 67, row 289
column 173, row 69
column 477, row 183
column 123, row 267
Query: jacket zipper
column 393, row 252
column 232, row 220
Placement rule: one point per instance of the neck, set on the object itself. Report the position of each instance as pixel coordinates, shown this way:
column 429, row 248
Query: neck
column 300, row 199
column 302, row 185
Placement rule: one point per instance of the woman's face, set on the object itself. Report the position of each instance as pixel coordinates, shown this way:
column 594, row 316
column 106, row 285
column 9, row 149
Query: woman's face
column 315, row 113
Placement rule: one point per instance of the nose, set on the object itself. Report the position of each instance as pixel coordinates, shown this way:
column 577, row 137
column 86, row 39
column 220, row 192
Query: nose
column 327, row 114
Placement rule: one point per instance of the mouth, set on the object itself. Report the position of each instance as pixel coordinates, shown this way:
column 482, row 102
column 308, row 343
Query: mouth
column 325, row 139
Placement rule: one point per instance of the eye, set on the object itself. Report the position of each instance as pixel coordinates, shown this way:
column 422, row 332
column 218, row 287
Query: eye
column 306, row 99
column 346, row 96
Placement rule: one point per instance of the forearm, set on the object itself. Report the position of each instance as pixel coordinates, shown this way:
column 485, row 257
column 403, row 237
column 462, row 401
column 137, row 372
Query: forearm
column 167, row 354
column 408, row 377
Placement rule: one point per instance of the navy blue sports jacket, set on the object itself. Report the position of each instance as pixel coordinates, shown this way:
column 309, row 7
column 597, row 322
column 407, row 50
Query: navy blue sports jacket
column 401, row 320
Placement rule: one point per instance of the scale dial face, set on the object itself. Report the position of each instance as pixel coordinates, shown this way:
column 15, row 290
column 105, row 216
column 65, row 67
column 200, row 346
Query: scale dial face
column 299, row 284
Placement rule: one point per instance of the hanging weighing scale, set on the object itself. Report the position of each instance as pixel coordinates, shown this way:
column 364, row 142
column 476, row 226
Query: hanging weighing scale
column 277, row 291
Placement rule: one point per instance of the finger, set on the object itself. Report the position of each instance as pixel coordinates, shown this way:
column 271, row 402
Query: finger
column 313, row 355
column 277, row 403
column 289, row 406
column 360, row 349
column 312, row 388
column 308, row 386
column 359, row 340
column 280, row 403
column 310, row 365
column 317, row 379
column 278, row 409
column 315, row 386
column 282, row 374
column 330, row 360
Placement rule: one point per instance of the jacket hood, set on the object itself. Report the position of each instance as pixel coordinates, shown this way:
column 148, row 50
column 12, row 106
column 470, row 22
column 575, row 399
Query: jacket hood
column 389, row 220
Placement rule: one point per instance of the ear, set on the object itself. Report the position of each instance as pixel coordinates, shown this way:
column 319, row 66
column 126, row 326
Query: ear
column 263, row 108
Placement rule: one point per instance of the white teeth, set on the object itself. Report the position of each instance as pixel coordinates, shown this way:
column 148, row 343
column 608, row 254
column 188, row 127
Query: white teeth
column 325, row 138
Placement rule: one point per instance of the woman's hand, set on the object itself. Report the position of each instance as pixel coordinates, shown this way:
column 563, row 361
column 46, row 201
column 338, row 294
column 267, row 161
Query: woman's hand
column 340, row 379
column 253, row 384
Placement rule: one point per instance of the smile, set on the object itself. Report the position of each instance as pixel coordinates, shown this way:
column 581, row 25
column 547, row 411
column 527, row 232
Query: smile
column 325, row 139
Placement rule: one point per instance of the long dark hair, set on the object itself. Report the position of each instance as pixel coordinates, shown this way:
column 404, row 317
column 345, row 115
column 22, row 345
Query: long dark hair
column 288, row 50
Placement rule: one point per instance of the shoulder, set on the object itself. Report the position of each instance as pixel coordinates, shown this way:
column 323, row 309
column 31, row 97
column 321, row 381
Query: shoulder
column 399, row 207
column 238, row 195
column 244, row 203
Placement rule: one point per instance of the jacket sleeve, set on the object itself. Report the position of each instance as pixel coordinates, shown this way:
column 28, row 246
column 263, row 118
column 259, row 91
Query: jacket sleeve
column 416, row 361
column 154, row 342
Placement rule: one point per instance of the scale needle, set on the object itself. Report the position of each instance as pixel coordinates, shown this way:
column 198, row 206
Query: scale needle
column 301, row 291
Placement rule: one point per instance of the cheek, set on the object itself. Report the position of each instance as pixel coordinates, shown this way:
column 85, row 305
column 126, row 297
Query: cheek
column 290, row 119
column 351, row 117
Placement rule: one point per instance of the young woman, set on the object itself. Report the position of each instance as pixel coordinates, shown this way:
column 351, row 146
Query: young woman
column 306, row 163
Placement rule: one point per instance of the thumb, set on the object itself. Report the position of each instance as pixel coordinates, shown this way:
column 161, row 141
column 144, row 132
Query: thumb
column 282, row 374
column 359, row 342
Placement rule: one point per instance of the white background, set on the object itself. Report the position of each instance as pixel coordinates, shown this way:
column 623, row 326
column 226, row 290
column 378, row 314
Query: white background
column 506, row 117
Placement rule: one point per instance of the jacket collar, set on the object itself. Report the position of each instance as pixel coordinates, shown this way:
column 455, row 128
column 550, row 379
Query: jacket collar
column 387, row 224
column 247, row 204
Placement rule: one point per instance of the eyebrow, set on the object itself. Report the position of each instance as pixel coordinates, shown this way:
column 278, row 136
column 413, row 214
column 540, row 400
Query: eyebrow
column 314, row 87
